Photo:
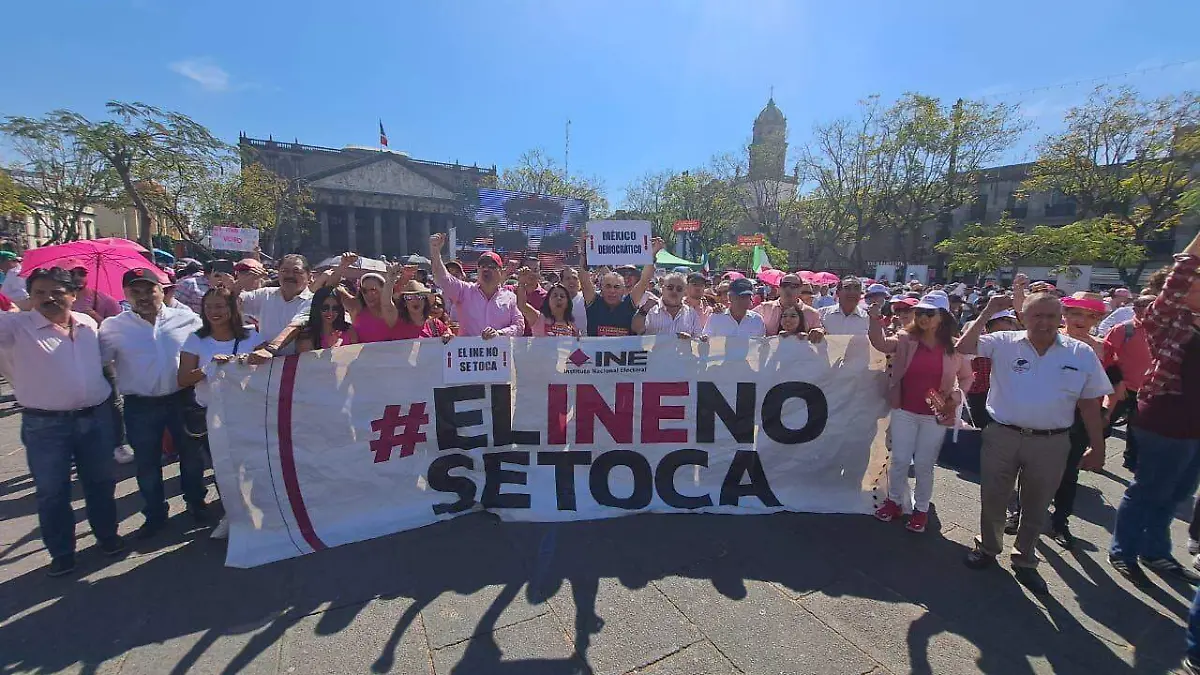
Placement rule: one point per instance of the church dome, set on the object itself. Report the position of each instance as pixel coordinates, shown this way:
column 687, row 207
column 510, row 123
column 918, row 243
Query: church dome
column 770, row 114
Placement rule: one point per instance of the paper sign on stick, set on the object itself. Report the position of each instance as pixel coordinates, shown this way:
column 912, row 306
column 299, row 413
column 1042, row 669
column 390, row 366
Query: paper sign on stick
column 234, row 238
column 619, row 242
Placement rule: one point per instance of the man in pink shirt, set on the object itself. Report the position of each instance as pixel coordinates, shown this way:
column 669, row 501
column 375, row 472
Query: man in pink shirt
column 483, row 308
column 1125, row 348
column 789, row 296
column 90, row 301
column 54, row 363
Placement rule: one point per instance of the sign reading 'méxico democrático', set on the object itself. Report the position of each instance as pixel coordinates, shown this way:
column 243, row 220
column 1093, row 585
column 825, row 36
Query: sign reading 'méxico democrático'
column 619, row 242
column 369, row 440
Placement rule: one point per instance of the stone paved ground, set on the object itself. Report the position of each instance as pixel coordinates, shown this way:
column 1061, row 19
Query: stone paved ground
column 661, row 595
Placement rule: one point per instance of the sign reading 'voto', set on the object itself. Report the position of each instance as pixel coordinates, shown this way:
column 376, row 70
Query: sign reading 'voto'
column 619, row 242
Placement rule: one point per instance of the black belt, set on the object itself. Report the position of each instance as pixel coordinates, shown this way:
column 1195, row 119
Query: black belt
column 1034, row 432
column 182, row 393
column 80, row 412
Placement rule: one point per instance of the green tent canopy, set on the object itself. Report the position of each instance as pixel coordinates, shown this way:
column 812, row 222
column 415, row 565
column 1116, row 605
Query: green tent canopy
column 666, row 259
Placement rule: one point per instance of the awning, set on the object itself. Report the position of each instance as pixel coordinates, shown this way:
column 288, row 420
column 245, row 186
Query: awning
column 665, row 258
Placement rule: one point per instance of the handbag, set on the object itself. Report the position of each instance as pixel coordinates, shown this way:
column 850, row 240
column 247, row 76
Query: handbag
column 195, row 416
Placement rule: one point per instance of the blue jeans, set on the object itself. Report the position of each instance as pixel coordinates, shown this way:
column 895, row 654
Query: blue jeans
column 145, row 421
column 1168, row 471
column 51, row 445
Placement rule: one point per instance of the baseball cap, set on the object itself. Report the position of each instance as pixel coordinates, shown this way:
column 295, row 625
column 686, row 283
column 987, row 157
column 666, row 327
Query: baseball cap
column 247, row 264
column 934, row 300
column 1006, row 314
column 141, row 274
column 879, row 289
column 1084, row 300
column 902, row 300
column 493, row 256
column 627, row 269
column 218, row 266
column 1121, row 293
column 9, row 256
column 741, row 286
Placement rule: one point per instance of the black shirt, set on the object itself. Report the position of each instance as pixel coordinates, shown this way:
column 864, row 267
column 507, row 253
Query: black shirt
column 605, row 321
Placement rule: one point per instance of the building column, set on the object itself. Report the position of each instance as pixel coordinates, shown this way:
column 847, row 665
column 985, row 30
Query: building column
column 422, row 232
column 351, row 230
column 402, row 229
column 323, row 217
column 378, row 223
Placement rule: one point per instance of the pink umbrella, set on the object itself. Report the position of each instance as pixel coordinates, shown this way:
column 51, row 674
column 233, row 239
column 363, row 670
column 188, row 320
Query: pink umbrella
column 770, row 277
column 105, row 262
column 825, row 278
column 807, row 276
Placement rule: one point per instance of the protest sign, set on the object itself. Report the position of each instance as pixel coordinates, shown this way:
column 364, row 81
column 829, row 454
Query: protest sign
column 234, row 238
column 365, row 441
column 475, row 360
column 619, row 242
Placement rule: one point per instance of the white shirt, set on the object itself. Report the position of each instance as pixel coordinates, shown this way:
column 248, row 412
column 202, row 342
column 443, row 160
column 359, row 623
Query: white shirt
column 274, row 314
column 825, row 301
column 724, row 325
column 837, row 323
column 1040, row 392
column 14, row 287
column 1118, row 316
column 147, row 355
column 49, row 367
column 205, row 348
column 579, row 313
column 660, row 322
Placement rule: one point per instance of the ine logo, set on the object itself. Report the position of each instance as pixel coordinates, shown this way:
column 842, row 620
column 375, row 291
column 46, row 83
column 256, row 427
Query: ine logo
column 632, row 361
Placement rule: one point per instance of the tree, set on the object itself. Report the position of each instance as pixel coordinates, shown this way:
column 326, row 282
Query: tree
column 935, row 154
column 158, row 156
column 1127, row 165
column 984, row 249
column 255, row 197
column 61, row 177
column 536, row 172
column 697, row 194
column 732, row 256
column 10, row 196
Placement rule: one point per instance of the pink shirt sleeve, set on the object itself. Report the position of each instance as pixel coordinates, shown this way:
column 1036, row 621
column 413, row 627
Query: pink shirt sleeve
column 452, row 287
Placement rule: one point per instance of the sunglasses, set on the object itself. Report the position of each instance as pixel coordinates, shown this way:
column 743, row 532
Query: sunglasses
column 411, row 296
column 926, row 312
column 330, row 308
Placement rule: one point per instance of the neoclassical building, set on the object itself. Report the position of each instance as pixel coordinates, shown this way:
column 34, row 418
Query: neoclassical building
column 373, row 201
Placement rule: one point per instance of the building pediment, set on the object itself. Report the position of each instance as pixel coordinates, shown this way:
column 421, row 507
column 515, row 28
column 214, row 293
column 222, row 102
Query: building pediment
column 385, row 175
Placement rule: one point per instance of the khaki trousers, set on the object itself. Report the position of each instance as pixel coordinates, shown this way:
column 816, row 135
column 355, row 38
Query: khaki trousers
column 1038, row 462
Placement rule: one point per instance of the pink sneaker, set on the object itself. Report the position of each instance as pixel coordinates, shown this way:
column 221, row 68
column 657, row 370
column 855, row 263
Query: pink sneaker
column 888, row 511
column 917, row 521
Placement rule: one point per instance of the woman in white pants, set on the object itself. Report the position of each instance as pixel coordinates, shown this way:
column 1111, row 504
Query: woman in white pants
column 926, row 381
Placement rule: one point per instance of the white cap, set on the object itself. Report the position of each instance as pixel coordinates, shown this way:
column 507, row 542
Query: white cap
column 934, row 300
column 1006, row 314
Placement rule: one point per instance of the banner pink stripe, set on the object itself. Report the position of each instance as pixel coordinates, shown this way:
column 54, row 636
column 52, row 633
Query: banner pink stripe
column 287, row 461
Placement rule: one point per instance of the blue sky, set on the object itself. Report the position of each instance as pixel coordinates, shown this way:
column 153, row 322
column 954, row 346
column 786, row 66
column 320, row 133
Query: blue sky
column 647, row 85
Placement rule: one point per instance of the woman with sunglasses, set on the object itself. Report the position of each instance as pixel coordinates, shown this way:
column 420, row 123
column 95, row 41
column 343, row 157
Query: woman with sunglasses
column 415, row 314
column 327, row 326
column 557, row 317
column 926, row 381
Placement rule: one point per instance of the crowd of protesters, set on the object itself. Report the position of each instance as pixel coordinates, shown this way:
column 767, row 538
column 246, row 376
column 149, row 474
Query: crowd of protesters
column 1044, row 376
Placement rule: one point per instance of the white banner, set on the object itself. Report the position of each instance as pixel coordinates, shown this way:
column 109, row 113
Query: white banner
column 336, row 446
column 614, row 243
column 234, row 238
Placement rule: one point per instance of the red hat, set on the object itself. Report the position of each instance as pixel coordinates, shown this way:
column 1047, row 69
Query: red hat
column 1092, row 302
column 493, row 256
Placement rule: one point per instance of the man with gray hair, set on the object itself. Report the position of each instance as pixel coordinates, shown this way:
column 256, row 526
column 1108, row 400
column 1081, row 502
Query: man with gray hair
column 671, row 316
column 1039, row 377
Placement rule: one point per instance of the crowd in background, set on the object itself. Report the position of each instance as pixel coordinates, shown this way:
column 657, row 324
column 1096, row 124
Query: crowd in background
column 1045, row 375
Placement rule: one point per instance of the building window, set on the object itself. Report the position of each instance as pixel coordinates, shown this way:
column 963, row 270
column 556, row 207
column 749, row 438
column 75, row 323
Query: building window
column 978, row 208
column 1060, row 206
column 1017, row 206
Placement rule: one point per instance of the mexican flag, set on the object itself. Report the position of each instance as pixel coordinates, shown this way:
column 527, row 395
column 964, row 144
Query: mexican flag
column 760, row 260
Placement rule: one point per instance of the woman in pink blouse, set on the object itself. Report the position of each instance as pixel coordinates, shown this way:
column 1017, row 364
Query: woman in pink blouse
column 327, row 326
column 926, row 381
column 556, row 318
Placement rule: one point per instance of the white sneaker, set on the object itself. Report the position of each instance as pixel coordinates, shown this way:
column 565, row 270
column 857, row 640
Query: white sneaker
column 221, row 531
column 123, row 454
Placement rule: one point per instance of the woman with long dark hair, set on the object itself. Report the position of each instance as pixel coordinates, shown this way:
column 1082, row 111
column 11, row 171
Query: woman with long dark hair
column 415, row 307
column 557, row 317
column 223, row 334
column 926, row 381
column 327, row 326
column 791, row 322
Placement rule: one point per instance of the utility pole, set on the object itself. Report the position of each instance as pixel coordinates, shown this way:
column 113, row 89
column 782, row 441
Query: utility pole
column 946, row 218
column 567, row 151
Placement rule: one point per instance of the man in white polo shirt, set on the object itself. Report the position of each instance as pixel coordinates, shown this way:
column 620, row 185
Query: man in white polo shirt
column 740, row 321
column 847, row 317
column 1039, row 377
column 671, row 316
